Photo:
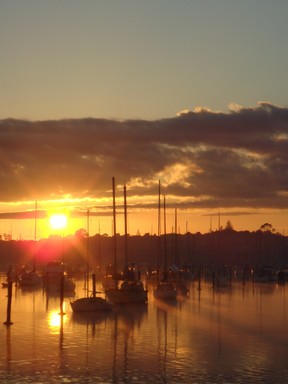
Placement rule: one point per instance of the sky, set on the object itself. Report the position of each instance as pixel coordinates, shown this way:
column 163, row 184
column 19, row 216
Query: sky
column 191, row 93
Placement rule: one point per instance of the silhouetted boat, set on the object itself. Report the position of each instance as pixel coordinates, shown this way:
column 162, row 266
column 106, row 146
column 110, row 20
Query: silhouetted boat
column 91, row 303
column 282, row 276
column 30, row 280
column 131, row 290
column 164, row 289
column 265, row 274
column 52, row 278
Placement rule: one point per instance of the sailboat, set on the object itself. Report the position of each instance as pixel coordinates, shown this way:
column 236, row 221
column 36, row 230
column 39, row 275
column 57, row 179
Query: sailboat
column 91, row 303
column 164, row 289
column 131, row 290
column 30, row 279
column 179, row 284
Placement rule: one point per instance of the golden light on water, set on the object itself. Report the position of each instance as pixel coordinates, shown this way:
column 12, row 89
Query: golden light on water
column 55, row 319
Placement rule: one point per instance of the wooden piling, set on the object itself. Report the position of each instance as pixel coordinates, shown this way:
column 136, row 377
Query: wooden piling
column 8, row 321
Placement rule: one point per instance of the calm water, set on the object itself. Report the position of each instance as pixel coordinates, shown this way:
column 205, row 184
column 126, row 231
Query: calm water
column 237, row 335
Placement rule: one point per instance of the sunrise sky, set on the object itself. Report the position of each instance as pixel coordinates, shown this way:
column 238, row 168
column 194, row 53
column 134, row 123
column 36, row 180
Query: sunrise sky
column 192, row 93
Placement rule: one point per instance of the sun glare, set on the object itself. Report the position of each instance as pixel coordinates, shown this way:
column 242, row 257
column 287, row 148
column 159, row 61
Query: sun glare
column 58, row 221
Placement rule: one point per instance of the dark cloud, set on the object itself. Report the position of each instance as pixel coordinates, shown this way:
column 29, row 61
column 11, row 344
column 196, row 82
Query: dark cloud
column 207, row 159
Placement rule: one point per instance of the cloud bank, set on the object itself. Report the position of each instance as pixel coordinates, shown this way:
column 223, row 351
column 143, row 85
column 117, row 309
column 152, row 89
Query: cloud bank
column 203, row 159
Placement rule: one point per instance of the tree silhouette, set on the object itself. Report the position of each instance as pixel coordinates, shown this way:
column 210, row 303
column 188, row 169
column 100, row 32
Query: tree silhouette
column 267, row 228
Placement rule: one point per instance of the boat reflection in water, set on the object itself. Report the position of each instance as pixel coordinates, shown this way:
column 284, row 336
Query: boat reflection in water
column 213, row 336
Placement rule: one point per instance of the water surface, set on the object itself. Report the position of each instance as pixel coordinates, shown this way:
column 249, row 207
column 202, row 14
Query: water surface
column 229, row 335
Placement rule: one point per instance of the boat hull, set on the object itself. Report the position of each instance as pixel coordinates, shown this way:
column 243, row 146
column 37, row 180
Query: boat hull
column 30, row 280
column 165, row 291
column 90, row 304
column 118, row 296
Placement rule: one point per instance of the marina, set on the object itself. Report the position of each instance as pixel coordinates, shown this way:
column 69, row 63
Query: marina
column 236, row 334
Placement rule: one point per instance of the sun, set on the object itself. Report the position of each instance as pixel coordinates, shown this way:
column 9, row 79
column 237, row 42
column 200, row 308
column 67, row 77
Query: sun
column 58, row 221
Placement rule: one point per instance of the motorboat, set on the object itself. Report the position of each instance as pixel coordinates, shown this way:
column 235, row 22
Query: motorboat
column 265, row 274
column 130, row 291
column 30, row 280
column 56, row 275
column 165, row 291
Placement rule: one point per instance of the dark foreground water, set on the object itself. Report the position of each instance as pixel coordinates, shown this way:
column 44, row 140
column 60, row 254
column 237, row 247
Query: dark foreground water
column 237, row 335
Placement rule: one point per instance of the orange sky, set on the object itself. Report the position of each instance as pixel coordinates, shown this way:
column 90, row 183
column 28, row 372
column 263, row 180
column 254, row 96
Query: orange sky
column 234, row 163
column 147, row 222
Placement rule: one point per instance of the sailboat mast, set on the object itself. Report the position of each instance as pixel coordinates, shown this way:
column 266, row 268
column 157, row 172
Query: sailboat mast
column 165, row 241
column 159, row 232
column 35, row 236
column 88, row 251
column 114, row 224
column 125, row 226
column 176, row 239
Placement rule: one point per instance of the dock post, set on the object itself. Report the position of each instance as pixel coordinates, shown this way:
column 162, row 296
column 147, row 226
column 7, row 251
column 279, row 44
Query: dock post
column 8, row 321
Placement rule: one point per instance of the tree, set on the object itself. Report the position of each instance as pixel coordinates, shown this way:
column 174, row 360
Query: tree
column 229, row 226
column 267, row 228
column 81, row 233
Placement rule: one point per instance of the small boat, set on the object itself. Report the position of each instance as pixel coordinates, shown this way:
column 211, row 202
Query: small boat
column 182, row 289
column 282, row 276
column 55, row 285
column 165, row 291
column 55, row 270
column 30, row 280
column 92, row 303
column 130, row 291
column 265, row 274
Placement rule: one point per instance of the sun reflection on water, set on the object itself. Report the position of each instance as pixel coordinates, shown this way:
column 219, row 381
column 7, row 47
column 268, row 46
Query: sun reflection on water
column 56, row 322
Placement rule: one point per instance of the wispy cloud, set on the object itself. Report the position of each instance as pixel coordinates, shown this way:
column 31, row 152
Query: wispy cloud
column 203, row 158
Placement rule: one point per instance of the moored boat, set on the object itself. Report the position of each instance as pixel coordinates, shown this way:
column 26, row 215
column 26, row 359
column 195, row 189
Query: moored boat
column 90, row 304
column 165, row 291
column 282, row 276
column 265, row 274
column 30, row 280
column 130, row 291
column 55, row 270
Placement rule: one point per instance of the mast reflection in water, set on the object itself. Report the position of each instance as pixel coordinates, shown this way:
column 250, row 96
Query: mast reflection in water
column 237, row 334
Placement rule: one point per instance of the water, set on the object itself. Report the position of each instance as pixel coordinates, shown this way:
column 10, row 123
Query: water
column 236, row 335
